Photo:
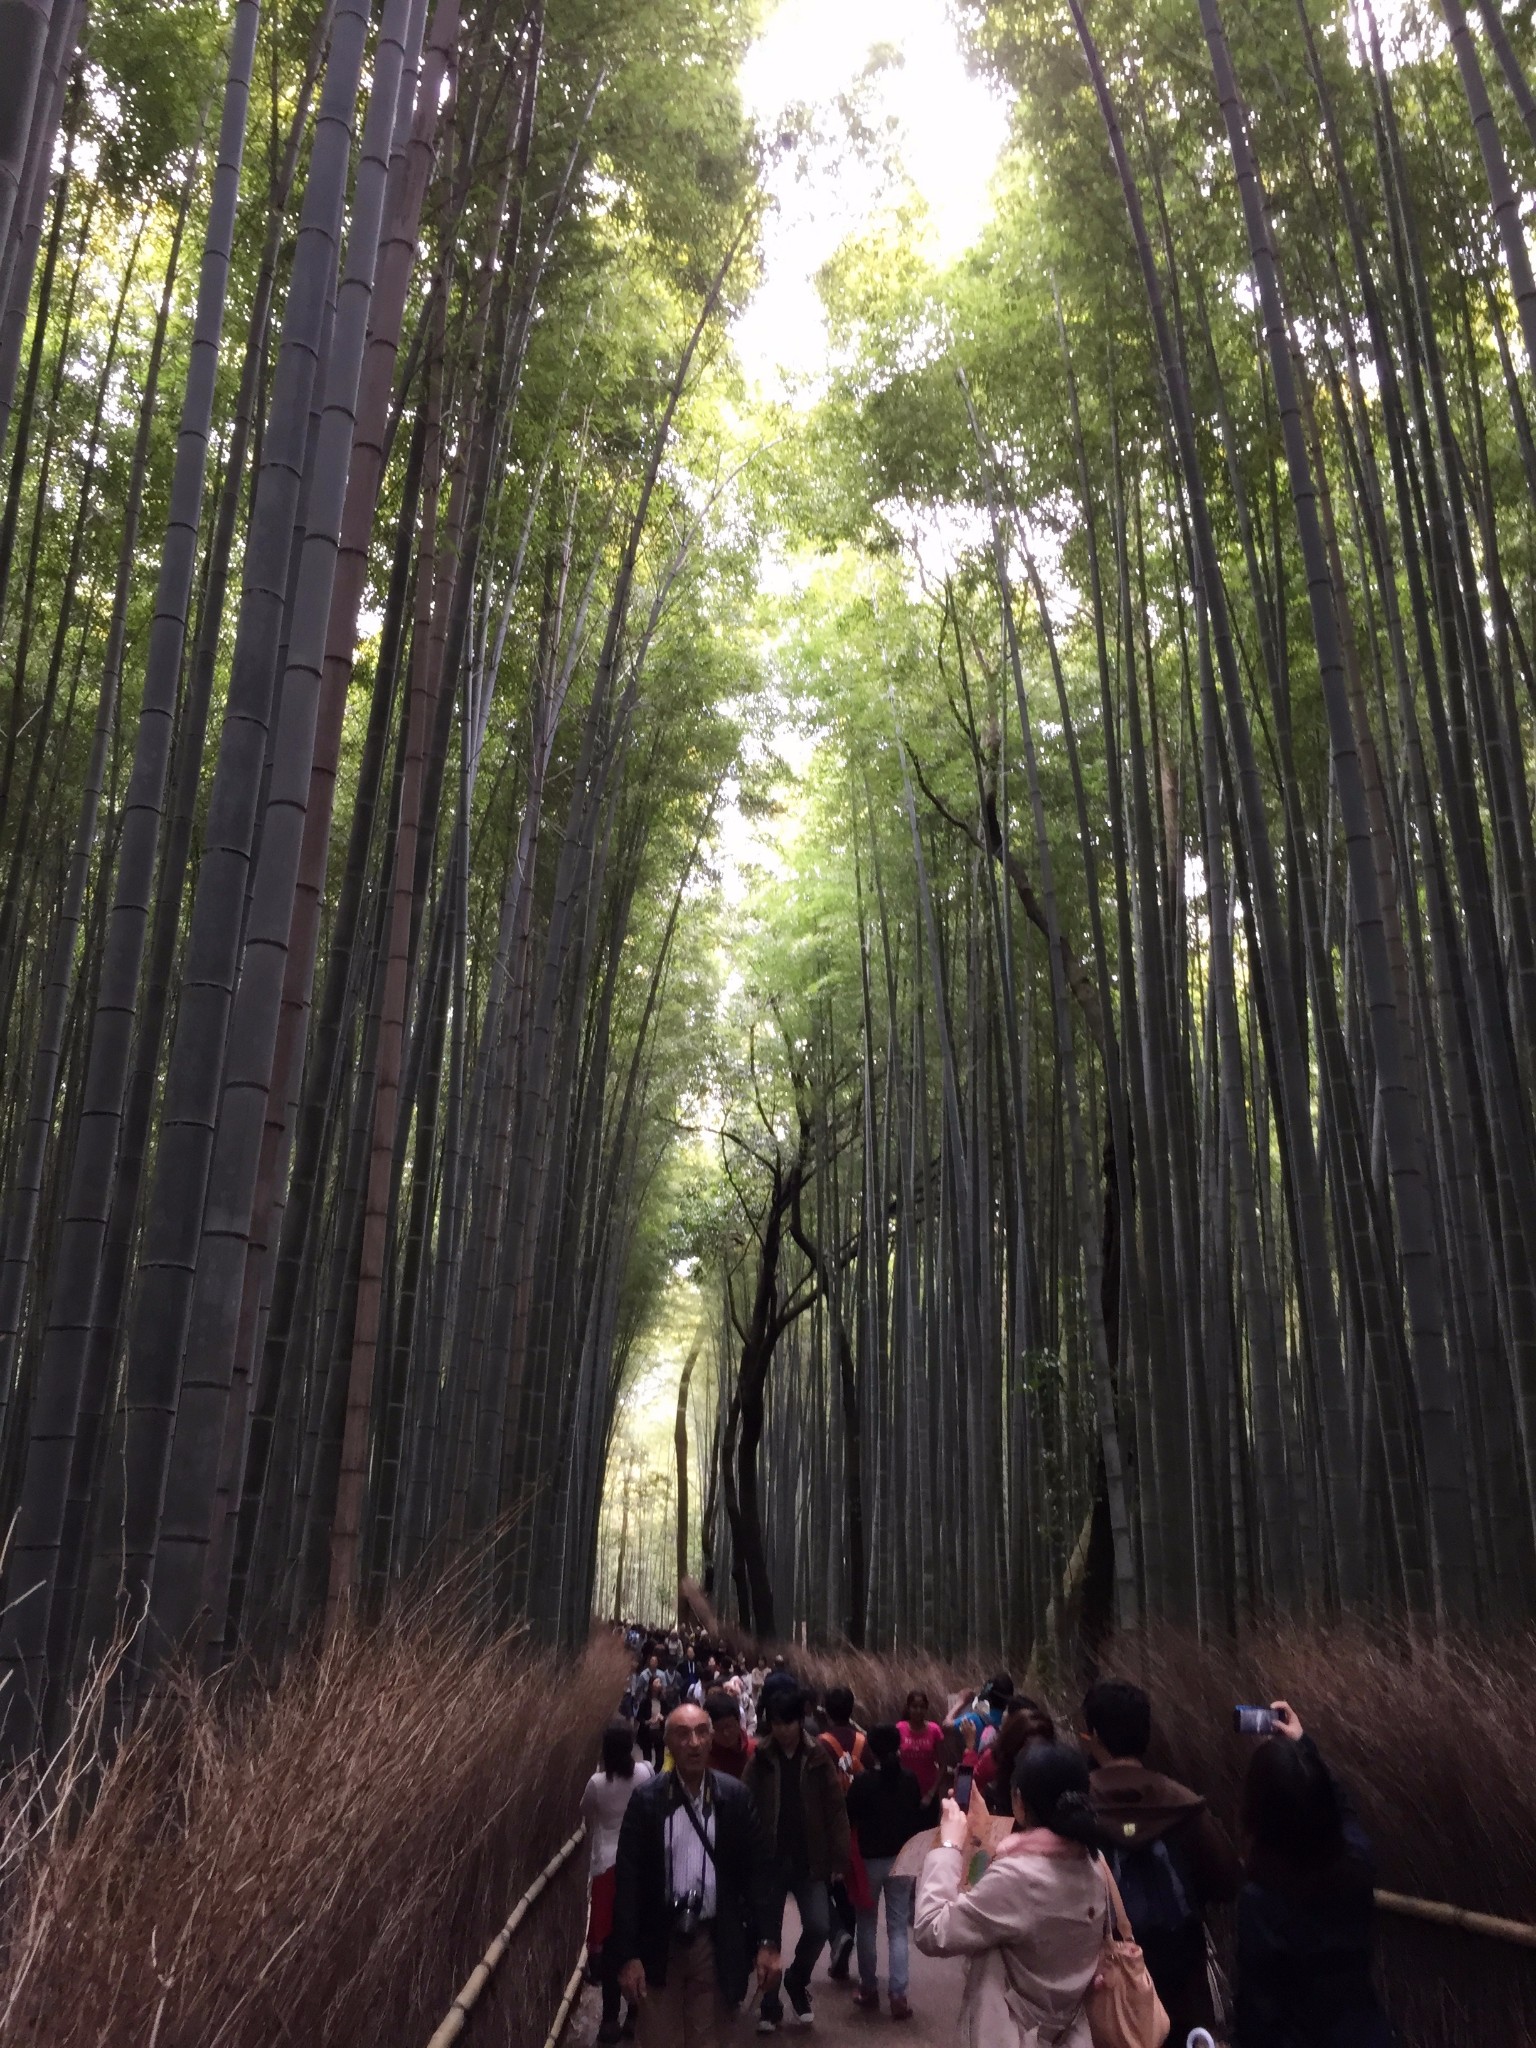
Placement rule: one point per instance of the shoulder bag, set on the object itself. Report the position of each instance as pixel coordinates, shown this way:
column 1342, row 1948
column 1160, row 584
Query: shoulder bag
column 1122, row 2005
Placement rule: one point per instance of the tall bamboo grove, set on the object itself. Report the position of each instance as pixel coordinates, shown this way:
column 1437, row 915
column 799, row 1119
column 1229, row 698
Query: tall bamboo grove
column 359, row 730
column 1106, row 1152
column 1133, row 1190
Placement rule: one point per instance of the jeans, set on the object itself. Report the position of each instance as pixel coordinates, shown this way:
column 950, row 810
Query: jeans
column 815, row 1908
column 898, row 1906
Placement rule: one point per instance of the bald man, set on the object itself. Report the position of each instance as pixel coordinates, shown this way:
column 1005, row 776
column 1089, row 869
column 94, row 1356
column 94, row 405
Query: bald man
column 693, row 1896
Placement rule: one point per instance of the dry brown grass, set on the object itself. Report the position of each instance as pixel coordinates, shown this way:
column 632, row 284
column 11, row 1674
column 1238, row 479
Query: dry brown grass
column 322, row 1864
column 881, row 1684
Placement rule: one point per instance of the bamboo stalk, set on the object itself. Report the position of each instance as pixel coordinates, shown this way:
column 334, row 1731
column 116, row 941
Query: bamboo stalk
column 458, row 2013
column 567, row 2004
column 1520, row 1932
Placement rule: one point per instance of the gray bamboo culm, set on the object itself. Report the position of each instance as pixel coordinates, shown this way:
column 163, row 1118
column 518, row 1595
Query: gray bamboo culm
column 458, row 2013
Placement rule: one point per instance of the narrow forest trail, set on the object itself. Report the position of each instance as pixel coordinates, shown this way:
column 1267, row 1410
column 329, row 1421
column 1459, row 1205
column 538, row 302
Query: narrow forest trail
column 935, row 1995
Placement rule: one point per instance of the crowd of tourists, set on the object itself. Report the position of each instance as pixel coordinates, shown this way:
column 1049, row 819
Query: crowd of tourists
column 1074, row 1880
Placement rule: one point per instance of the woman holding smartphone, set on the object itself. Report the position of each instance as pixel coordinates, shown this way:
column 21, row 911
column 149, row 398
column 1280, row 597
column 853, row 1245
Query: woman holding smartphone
column 1032, row 1926
column 1306, row 1912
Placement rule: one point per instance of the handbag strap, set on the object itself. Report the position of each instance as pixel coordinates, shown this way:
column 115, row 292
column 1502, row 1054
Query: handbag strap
column 1115, row 1921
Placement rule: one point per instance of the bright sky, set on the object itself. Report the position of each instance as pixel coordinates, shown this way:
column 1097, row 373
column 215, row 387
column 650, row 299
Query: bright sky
column 952, row 129
column 952, row 126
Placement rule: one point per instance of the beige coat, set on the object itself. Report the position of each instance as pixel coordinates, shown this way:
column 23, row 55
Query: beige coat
column 1032, row 1927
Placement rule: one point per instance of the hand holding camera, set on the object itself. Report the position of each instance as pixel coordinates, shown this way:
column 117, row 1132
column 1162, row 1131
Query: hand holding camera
column 1276, row 1719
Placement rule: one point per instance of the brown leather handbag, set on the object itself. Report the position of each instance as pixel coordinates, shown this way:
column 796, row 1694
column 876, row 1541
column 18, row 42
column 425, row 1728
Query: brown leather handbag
column 1122, row 2005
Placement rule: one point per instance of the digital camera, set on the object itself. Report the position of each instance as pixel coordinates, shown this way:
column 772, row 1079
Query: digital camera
column 687, row 1912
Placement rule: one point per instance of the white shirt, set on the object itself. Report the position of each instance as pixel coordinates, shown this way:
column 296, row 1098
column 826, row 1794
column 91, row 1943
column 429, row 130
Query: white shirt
column 742, row 1688
column 602, row 1808
column 688, row 1868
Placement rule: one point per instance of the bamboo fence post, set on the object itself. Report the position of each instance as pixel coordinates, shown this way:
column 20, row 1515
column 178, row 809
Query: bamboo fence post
column 567, row 2004
column 1519, row 1932
column 458, row 2013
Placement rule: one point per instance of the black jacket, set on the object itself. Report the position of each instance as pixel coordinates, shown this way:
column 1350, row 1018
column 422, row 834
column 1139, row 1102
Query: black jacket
column 886, row 1807
column 1304, row 1954
column 744, row 1908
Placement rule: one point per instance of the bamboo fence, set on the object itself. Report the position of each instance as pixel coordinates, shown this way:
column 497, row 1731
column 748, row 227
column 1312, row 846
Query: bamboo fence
column 457, row 2017
column 1519, row 1932
column 568, row 2002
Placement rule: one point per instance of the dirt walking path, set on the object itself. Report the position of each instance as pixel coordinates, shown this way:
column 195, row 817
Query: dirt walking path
column 935, row 1996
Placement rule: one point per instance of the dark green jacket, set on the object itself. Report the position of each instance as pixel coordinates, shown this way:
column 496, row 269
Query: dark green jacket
column 821, row 1787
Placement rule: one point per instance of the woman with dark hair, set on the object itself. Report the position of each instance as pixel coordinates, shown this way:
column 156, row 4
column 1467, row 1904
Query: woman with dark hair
column 1306, row 1912
column 603, row 1804
column 843, row 1740
column 921, row 1740
column 885, row 1809
column 1033, row 1924
column 651, row 1720
column 841, row 1735
column 1025, row 1721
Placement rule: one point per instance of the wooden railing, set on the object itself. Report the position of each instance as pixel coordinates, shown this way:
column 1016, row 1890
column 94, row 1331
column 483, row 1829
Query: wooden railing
column 1518, row 1931
column 457, row 2016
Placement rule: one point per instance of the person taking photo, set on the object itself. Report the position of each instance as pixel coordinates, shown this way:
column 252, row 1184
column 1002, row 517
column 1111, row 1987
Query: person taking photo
column 1306, row 1912
column 1032, row 1926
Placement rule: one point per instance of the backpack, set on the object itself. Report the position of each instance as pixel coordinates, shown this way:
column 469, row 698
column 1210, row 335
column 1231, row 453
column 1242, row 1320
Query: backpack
column 1163, row 1910
column 848, row 1761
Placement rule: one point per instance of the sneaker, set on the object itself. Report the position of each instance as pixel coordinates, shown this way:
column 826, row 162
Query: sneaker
column 867, row 1998
column 767, row 2026
column 900, row 2009
column 842, row 1955
column 610, row 2031
column 800, row 2005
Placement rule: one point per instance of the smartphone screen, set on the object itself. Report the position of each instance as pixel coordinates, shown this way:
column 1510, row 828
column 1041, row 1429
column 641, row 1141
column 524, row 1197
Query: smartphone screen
column 965, row 1777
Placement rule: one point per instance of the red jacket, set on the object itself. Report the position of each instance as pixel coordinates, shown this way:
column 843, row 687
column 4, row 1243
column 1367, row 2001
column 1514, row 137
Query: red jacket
column 731, row 1761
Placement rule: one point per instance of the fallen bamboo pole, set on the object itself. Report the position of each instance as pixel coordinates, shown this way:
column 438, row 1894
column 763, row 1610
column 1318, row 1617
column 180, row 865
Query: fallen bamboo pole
column 1518, row 1931
column 567, row 2004
column 458, row 2013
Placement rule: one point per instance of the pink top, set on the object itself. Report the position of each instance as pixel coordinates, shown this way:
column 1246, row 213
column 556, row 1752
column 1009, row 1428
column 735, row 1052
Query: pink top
column 1038, row 1842
column 920, row 1753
